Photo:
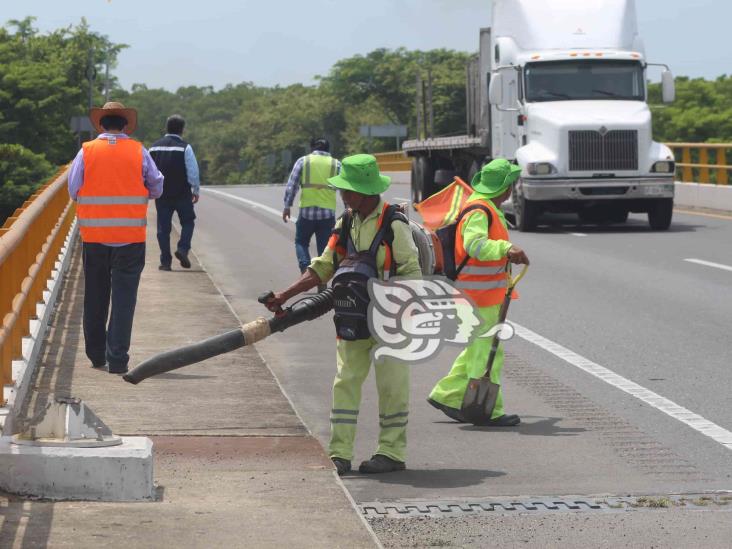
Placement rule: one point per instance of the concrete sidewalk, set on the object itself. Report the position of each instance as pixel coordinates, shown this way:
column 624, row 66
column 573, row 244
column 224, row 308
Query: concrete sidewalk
column 234, row 465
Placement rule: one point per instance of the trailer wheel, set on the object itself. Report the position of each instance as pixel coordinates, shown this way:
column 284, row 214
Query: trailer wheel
column 474, row 169
column 526, row 214
column 660, row 214
column 415, row 181
column 424, row 178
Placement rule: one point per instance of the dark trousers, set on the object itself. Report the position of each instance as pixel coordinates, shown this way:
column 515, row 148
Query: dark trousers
column 110, row 272
column 304, row 231
column 165, row 208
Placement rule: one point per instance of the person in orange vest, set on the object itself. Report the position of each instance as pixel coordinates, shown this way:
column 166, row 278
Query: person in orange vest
column 482, row 238
column 111, row 179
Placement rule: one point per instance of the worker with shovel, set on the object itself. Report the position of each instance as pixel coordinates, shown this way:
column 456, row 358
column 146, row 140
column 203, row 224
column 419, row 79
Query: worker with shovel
column 482, row 238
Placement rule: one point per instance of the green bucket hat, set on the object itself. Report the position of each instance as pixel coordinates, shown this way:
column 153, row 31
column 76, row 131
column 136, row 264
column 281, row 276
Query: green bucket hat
column 360, row 173
column 495, row 177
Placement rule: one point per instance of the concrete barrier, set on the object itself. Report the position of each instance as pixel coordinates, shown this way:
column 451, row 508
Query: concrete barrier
column 703, row 195
column 113, row 473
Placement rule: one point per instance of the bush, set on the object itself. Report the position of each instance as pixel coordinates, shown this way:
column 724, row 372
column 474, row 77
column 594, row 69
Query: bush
column 21, row 172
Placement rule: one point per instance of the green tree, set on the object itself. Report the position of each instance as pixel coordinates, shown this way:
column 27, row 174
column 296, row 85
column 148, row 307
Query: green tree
column 21, row 172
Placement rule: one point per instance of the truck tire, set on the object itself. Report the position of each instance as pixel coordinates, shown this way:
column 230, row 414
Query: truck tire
column 618, row 215
column 416, row 189
column 526, row 214
column 660, row 214
column 474, row 169
column 425, row 177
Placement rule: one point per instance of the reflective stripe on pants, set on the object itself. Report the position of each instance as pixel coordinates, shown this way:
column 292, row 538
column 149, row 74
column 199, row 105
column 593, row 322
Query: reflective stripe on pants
column 392, row 384
column 471, row 363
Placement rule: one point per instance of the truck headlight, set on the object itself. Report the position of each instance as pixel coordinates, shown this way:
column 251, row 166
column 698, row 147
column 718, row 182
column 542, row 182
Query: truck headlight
column 540, row 168
column 664, row 166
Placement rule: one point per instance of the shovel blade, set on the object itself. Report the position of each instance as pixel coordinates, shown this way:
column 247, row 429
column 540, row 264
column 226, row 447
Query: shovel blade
column 480, row 400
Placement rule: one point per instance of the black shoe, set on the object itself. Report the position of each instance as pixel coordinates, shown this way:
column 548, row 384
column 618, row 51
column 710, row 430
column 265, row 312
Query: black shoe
column 118, row 371
column 99, row 365
column 184, row 261
column 452, row 413
column 343, row 466
column 164, row 268
column 502, row 421
column 381, row 464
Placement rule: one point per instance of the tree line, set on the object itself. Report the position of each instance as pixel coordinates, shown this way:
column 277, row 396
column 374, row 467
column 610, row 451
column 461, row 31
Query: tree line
column 245, row 133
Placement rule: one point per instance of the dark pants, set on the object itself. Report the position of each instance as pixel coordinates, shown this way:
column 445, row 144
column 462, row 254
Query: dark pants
column 304, row 231
column 110, row 272
column 165, row 208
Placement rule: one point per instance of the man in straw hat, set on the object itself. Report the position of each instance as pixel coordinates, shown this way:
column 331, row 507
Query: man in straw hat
column 111, row 179
column 482, row 237
column 369, row 228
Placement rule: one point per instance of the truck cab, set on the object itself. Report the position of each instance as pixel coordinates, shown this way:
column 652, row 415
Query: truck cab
column 568, row 102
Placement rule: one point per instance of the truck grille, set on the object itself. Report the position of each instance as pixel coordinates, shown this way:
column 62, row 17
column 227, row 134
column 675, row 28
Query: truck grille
column 589, row 150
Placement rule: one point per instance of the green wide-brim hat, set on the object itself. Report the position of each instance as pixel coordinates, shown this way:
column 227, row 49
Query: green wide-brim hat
column 360, row 174
column 495, row 177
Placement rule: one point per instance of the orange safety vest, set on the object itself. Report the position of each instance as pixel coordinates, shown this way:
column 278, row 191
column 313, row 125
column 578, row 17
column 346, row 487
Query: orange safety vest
column 112, row 201
column 484, row 281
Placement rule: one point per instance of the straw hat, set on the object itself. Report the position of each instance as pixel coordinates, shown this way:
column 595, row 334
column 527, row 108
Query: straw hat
column 113, row 108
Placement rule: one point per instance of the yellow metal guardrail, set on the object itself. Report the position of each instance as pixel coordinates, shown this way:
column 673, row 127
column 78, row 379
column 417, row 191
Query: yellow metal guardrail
column 698, row 162
column 30, row 241
column 695, row 162
column 393, row 162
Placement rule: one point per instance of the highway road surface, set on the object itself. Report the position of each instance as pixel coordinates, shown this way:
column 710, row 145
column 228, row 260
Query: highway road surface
column 621, row 371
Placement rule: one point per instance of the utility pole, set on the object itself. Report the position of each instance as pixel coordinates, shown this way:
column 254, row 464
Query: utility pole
column 420, row 106
column 430, row 108
column 106, row 77
column 91, row 73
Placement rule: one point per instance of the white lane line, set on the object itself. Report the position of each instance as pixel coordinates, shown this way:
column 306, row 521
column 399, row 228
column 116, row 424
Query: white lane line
column 709, row 264
column 255, row 205
column 695, row 421
column 577, row 234
column 402, row 199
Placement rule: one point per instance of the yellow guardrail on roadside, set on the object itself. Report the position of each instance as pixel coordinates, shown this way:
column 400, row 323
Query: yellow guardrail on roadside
column 393, row 162
column 695, row 165
column 30, row 241
column 698, row 162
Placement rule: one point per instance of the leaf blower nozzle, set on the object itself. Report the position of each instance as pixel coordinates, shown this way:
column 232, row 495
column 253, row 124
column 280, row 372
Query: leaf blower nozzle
column 308, row 308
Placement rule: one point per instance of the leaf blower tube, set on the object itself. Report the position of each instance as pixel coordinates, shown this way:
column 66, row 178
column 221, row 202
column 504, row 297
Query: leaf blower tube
column 308, row 308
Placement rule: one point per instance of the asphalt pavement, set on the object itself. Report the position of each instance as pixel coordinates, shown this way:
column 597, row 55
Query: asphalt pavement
column 620, row 370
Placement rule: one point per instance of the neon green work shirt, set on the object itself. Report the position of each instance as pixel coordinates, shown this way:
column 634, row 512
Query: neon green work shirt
column 475, row 233
column 363, row 231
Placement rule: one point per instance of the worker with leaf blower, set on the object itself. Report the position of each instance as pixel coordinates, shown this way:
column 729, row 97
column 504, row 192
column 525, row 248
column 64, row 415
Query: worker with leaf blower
column 371, row 240
column 483, row 251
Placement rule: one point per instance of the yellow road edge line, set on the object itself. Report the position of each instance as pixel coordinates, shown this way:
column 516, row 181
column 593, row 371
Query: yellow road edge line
column 703, row 214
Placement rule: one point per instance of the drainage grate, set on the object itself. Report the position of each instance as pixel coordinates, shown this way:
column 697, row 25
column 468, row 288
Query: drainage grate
column 453, row 508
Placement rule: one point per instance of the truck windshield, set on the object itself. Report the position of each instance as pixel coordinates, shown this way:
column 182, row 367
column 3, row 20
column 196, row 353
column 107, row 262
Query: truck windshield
column 584, row 79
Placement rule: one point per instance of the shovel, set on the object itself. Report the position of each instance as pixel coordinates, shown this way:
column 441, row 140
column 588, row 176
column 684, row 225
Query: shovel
column 480, row 396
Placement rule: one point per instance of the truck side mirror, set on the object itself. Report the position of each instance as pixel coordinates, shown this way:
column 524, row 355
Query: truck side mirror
column 668, row 88
column 495, row 89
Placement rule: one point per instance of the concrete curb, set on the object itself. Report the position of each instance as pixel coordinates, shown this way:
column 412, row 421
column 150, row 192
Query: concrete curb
column 114, row 473
column 23, row 369
column 702, row 195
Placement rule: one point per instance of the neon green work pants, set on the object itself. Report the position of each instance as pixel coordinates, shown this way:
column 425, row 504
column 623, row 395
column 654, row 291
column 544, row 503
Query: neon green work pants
column 392, row 384
column 471, row 363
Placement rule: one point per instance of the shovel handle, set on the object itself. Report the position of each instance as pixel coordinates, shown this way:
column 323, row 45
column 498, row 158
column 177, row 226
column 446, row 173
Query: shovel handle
column 515, row 280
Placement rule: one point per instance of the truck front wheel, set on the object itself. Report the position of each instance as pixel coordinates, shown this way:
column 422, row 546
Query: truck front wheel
column 660, row 214
column 526, row 214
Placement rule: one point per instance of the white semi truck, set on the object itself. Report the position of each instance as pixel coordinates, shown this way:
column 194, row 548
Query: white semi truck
column 559, row 86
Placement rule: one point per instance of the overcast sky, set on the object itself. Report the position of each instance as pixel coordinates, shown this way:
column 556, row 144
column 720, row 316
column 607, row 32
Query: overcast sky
column 215, row 42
